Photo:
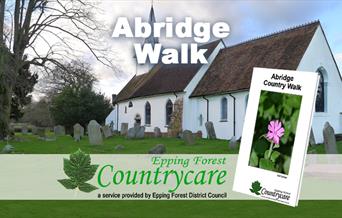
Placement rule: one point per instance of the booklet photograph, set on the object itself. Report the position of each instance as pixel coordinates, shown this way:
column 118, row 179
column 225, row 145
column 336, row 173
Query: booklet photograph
column 276, row 134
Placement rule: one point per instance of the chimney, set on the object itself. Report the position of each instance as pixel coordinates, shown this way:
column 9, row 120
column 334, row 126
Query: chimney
column 113, row 99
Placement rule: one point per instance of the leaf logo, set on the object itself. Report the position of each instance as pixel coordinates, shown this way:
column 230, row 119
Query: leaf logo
column 256, row 187
column 79, row 170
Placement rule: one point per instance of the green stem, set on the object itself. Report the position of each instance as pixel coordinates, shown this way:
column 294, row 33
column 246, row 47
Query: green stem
column 270, row 151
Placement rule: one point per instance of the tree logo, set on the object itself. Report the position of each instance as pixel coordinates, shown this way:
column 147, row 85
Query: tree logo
column 79, row 170
column 256, row 187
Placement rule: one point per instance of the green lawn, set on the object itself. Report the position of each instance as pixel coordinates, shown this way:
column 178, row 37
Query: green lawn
column 319, row 149
column 66, row 145
column 30, row 144
column 167, row 209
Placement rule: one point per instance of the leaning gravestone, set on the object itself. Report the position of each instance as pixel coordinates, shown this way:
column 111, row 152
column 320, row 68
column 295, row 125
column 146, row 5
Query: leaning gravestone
column 94, row 133
column 312, row 141
column 233, row 143
column 107, row 132
column 158, row 149
column 124, row 129
column 157, row 132
column 59, row 130
column 209, row 126
column 8, row 149
column 78, row 132
column 329, row 139
column 188, row 137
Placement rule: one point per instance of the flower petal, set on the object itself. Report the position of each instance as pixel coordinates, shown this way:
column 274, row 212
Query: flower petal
column 276, row 139
column 277, row 125
column 270, row 135
column 281, row 131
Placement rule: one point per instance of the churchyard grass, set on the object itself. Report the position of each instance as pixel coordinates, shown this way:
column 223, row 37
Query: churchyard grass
column 30, row 144
column 319, row 149
column 167, row 209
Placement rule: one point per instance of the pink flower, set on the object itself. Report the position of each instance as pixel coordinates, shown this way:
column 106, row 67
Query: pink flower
column 275, row 131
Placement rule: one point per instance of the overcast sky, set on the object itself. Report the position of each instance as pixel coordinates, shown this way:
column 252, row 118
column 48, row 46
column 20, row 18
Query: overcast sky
column 247, row 19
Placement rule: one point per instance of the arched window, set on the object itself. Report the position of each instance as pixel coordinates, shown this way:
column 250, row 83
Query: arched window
column 224, row 105
column 168, row 109
column 147, row 113
column 130, row 104
column 320, row 99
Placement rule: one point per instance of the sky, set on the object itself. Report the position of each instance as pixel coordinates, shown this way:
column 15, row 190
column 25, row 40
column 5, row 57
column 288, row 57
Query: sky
column 247, row 20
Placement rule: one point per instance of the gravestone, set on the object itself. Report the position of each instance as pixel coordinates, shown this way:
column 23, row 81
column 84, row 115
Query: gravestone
column 140, row 132
column 41, row 132
column 94, row 133
column 158, row 149
column 312, row 141
column 59, row 130
column 107, row 132
column 188, row 137
column 8, row 149
column 78, row 132
column 24, row 129
column 124, row 129
column 209, row 126
column 233, row 143
column 119, row 147
column 157, row 132
column 329, row 139
column 137, row 132
column 131, row 133
column 199, row 134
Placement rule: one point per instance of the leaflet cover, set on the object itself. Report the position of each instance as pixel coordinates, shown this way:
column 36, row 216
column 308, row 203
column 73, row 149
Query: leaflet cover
column 276, row 134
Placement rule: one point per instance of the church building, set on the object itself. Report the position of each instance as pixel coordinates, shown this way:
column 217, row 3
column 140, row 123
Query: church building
column 218, row 91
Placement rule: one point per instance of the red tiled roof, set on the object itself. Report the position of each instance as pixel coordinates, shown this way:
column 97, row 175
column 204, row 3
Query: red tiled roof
column 163, row 78
column 232, row 68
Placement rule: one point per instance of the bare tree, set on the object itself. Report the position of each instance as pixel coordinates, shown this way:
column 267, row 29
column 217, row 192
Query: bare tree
column 44, row 33
column 75, row 75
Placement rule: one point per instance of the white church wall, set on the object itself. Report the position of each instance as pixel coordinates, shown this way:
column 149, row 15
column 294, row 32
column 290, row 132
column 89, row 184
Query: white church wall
column 191, row 106
column 318, row 55
column 158, row 111
column 224, row 128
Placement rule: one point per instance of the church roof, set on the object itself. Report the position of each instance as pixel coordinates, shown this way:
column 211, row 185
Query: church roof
column 163, row 78
column 232, row 68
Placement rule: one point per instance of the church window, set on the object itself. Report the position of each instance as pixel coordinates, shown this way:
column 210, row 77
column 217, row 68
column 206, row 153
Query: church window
column 321, row 92
column 147, row 113
column 224, row 111
column 169, row 110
